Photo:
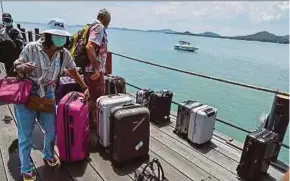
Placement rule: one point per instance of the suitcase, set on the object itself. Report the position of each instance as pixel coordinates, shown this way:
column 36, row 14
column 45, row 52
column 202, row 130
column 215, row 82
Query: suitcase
column 66, row 85
column 130, row 132
column 104, row 106
column 143, row 97
column 259, row 149
column 114, row 85
column 183, row 117
column 201, row 124
column 160, row 106
column 72, row 127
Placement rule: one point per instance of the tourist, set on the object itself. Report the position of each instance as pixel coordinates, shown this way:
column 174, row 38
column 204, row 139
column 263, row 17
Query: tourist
column 13, row 44
column 40, row 61
column 97, row 53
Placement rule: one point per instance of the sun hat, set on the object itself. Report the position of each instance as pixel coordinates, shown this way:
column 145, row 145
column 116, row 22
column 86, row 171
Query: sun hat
column 56, row 26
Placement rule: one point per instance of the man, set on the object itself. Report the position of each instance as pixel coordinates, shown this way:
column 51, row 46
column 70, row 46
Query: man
column 13, row 44
column 8, row 25
column 96, row 49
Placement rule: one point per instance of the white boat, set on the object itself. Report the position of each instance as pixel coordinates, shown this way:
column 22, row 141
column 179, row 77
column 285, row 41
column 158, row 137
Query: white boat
column 185, row 46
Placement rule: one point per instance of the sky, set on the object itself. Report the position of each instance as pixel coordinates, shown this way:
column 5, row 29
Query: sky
column 227, row 18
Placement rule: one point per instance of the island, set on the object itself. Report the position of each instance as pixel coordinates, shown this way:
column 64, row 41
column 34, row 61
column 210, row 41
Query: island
column 262, row 36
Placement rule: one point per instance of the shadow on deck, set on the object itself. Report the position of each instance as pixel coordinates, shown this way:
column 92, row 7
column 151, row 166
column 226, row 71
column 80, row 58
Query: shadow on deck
column 181, row 161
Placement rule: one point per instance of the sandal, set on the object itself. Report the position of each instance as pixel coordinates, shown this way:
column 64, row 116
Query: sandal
column 52, row 162
column 31, row 176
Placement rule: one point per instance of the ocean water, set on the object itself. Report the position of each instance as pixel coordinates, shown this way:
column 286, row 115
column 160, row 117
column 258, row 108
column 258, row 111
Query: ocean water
column 257, row 63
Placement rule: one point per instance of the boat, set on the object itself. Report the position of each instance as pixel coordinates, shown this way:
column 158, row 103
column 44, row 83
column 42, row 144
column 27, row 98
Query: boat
column 185, row 46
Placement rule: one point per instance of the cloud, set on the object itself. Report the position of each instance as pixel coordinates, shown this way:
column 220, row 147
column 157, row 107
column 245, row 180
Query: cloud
column 195, row 16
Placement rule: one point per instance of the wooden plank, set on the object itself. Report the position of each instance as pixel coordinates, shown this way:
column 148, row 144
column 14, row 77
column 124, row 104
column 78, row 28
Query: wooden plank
column 3, row 176
column 219, row 144
column 101, row 162
column 8, row 135
column 45, row 172
column 211, row 166
column 191, row 170
column 170, row 172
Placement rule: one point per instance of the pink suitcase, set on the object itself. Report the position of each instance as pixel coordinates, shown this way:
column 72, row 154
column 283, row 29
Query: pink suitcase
column 72, row 127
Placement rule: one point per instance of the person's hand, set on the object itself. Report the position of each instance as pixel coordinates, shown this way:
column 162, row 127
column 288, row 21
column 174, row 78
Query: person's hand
column 26, row 67
column 66, row 73
column 95, row 76
column 86, row 94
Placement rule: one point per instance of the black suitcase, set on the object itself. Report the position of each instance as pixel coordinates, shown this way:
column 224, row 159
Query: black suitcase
column 114, row 85
column 143, row 97
column 259, row 148
column 130, row 133
column 160, row 106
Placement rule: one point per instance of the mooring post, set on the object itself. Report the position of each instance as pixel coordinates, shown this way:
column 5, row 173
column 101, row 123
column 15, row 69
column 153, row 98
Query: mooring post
column 278, row 119
column 19, row 26
column 109, row 63
column 36, row 36
column 30, row 38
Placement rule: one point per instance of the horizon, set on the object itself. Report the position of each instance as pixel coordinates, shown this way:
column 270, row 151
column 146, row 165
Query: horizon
column 221, row 17
column 111, row 27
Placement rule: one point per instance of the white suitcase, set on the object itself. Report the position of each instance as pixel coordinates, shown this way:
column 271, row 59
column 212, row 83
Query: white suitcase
column 104, row 106
column 201, row 124
column 183, row 117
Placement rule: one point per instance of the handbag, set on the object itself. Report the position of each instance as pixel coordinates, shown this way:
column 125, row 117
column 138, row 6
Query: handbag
column 43, row 104
column 15, row 90
column 149, row 174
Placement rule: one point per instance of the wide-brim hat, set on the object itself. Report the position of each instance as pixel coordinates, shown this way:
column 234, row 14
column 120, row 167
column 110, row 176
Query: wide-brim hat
column 56, row 26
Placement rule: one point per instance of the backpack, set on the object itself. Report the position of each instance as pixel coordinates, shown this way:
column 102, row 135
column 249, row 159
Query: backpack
column 150, row 174
column 77, row 46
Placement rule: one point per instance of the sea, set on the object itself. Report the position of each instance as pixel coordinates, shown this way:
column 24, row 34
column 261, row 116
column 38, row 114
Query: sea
column 256, row 63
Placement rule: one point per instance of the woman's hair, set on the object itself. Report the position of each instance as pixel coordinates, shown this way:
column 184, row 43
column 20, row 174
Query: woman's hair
column 47, row 42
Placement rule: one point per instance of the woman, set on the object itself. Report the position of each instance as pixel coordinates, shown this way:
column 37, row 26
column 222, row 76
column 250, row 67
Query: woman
column 41, row 62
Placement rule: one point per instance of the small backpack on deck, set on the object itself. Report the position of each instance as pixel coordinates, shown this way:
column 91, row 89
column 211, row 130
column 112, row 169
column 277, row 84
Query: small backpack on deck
column 77, row 46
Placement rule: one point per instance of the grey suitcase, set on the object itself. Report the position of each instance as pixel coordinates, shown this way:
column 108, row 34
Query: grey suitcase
column 104, row 106
column 183, row 117
column 201, row 124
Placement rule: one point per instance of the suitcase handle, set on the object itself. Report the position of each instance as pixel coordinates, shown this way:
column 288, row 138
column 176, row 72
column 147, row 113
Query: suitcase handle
column 209, row 112
column 128, row 104
column 72, row 136
column 189, row 102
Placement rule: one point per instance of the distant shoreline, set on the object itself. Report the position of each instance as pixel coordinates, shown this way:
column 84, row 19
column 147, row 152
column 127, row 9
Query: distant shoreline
column 284, row 41
column 263, row 36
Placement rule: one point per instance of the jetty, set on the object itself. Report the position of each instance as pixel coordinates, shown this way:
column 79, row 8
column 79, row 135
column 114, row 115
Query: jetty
column 180, row 160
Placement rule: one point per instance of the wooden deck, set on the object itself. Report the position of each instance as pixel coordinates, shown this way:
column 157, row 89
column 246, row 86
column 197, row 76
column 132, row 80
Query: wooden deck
column 181, row 161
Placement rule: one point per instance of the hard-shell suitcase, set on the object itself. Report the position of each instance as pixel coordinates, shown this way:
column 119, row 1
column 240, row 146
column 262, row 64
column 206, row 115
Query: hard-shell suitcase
column 259, row 149
column 130, row 132
column 104, row 106
column 201, row 124
column 114, row 85
column 160, row 106
column 183, row 117
column 66, row 85
column 72, row 127
column 143, row 97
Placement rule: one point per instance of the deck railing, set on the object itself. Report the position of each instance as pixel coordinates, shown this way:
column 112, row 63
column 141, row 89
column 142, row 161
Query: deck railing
column 28, row 37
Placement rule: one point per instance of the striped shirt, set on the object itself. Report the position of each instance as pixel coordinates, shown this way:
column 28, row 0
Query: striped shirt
column 98, row 35
column 47, row 70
